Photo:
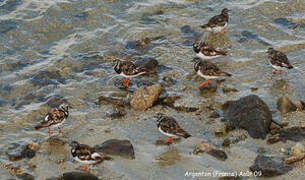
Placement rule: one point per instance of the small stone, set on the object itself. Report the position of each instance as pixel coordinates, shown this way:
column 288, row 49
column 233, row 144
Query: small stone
column 117, row 147
column 270, row 166
column 78, row 176
column 54, row 141
column 25, row 176
column 145, row 97
column 220, row 131
column 203, row 147
column 226, row 142
column 214, row 114
column 297, row 149
column 254, row 89
column 218, row 154
column 229, row 90
column 284, row 105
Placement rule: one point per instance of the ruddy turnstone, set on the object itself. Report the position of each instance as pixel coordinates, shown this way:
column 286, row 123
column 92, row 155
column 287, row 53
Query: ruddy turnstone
column 208, row 71
column 206, row 51
column 218, row 23
column 86, row 155
column 128, row 70
column 278, row 60
column 55, row 118
column 169, row 127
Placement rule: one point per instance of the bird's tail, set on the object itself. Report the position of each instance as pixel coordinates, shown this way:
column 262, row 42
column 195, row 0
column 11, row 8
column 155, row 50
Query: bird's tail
column 223, row 53
column 226, row 74
column 204, row 26
column 187, row 135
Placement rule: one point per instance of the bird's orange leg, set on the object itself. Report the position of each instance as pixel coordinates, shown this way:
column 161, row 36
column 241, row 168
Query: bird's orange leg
column 49, row 131
column 168, row 141
column 204, row 83
column 126, row 82
column 85, row 167
column 223, row 31
column 59, row 130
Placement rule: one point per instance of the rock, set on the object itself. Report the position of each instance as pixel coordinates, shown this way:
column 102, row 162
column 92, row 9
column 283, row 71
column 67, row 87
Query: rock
column 145, row 97
column 220, row 131
column 218, row 154
column 115, row 101
column 249, row 113
column 117, row 147
column 203, row 147
column 17, row 151
column 254, row 89
column 270, row 166
column 284, row 105
column 293, row 133
column 294, row 159
column 25, row 176
column 214, row 114
column 229, row 90
column 302, row 105
column 226, row 142
column 78, row 176
column 55, row 141
column 297, row 149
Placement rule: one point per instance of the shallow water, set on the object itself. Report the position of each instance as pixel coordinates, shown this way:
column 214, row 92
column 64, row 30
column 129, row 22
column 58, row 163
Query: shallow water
column 64, row 49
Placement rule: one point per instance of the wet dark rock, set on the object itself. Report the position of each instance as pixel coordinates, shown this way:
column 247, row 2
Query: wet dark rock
column 270, row 166
column 226, row 142
column 25, row 176
column 214, row 114
column 110, row 100
column 143, row 44
column 254, row 89
column 17, row 151
column 7, row 25
column 117, row 147
column 302, row 105
column 284, row 105
column 82, row 15
column 283, row 22
column 249, row 113
column 293, row 133
column 78, row 176
column 229, row 90
column 145, row 97
column 9, row 6
column 218, row 154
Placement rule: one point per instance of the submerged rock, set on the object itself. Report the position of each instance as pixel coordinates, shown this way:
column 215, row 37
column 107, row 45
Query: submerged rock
column 297, row 149
column 249, row 113
column 295, row 134
column 117, row 147
column 210, row 149
column 78, row 176
column 17, row 151
column 145, row 97
column 284, row 105
column 270, row 166
column 25, row 176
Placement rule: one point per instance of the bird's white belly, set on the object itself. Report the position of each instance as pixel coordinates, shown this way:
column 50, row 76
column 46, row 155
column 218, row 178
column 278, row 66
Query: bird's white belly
column 205, row 76
column 277, row 67
column 202, row 56
column 84, row 161
column 131, row 76
column 217, row 28
column 166, row 134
